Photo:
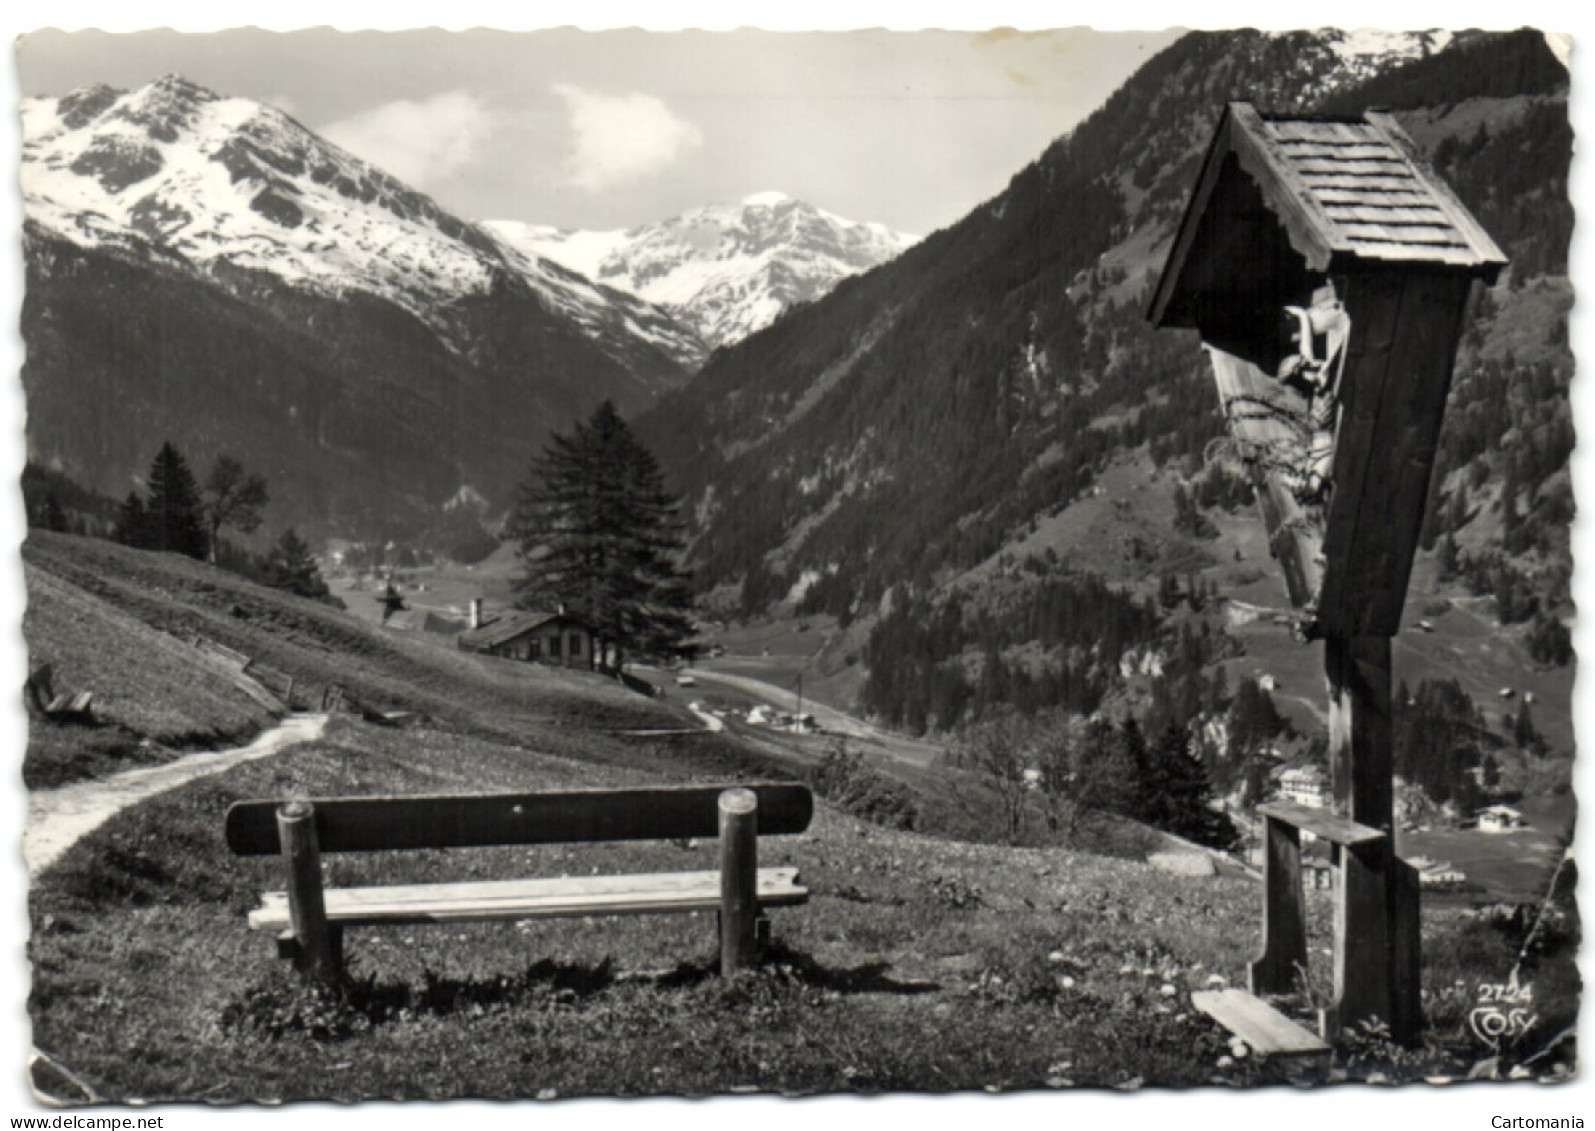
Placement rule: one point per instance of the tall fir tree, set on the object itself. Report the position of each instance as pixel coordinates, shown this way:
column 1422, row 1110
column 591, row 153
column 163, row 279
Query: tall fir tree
column 600, row 537
column 174, row 513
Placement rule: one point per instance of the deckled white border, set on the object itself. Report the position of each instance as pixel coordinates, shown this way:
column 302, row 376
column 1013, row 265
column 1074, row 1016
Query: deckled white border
column 1462, row 1108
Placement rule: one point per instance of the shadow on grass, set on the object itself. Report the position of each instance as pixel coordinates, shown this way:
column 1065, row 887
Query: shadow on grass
column 283, row 1004
column 782, row 960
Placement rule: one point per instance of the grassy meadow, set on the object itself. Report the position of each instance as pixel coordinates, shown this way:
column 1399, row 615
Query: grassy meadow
column 921, row 963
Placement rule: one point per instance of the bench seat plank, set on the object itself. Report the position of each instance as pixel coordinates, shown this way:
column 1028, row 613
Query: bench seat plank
column 1321, row 823
column 530, row 899
column 1268, row 1031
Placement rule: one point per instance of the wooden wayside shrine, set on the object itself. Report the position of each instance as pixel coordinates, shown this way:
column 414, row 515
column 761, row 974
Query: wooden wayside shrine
column 1327, row 269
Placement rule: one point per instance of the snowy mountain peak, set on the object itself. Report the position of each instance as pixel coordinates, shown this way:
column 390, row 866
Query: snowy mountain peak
column 725, row 269
column 217, row 182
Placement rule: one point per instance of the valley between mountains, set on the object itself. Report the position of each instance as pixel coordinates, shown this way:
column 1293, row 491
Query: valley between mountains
column 951, row 486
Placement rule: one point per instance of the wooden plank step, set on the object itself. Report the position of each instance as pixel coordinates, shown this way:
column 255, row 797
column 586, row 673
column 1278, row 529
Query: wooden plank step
column 1321, row 823
column 656, row 893
column 1265, row 1029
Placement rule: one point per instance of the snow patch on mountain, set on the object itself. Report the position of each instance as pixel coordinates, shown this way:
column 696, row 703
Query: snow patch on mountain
column 1388, row 46
column 727, row 270
column 213, row 181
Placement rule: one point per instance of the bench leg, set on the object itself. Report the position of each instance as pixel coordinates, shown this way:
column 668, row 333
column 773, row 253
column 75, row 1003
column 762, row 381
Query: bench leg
column 739, row 879
column 1362, row 941
column 289, row 950
column 318, row 944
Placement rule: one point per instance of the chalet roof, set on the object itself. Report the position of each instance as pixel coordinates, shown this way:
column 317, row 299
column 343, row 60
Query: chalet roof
column 1349, row 193
column 507, row 628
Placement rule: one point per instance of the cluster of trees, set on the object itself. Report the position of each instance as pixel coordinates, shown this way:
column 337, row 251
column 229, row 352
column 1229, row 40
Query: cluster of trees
column 1219, row 486
column 1439, row 738
column 600, row 538
column 1196, row 594
column 1192, row 683
column 1055, row 772
column 175, row 514
column 461, row 537
column 919, row 655
column 56, row 502
column 1252, row 726
column 1188, row 517
column 1504, row 450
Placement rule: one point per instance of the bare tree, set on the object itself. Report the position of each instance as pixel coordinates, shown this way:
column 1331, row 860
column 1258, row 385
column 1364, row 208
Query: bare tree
column 1001, row 751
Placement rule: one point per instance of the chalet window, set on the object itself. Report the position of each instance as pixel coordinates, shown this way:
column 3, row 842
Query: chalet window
column 534, row 649
column 575, row 645
column 553, row 645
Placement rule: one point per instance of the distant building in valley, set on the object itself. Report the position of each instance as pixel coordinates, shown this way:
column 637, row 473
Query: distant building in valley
column 548, row 638
column 1305, row 785
column 1500, row 819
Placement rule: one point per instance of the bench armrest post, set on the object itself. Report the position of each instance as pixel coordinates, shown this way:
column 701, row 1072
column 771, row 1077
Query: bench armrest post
column 1284, row 955
column 317, row 951
column 739, row 867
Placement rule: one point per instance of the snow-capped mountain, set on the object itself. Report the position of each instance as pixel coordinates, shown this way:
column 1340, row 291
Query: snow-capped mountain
column 727, row 270
column 205, row 270
column 1354, row 56
column 229, row 182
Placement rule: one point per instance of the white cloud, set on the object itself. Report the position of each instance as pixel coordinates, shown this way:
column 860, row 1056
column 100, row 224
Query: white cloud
column 622, row 137
column 421, row 143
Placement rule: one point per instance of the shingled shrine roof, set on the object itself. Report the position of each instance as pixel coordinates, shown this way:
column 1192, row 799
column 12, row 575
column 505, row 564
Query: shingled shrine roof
column 1350, row 194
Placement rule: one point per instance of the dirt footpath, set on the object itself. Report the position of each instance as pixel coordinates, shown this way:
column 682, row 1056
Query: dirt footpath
column 57, row 818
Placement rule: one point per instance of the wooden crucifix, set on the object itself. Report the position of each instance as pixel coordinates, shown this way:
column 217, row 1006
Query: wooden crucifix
column 1327, row 269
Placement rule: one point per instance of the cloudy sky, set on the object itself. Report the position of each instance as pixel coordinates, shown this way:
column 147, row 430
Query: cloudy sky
column 610, row 129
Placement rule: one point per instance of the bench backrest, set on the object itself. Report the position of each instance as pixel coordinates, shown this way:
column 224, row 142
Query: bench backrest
column 371, row 824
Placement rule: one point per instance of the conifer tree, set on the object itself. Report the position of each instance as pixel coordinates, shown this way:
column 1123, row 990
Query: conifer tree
column 175, row 517
column 132, row 522
column 291, row 566
column 599, row 536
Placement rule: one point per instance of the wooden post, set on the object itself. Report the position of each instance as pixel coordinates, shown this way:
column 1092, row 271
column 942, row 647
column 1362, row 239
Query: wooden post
column 739, row 868
column 1361, row 770
column 1362, row 775
column 1284, row 912
column 1406, row 952
column 1362, row 939
column 316, row 952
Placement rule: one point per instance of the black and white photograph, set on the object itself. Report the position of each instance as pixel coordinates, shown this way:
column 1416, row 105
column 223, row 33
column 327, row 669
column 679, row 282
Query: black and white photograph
column 753, row 563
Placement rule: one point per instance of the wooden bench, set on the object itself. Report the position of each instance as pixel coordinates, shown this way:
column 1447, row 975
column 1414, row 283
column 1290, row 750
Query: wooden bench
column 310, row 920
column 279, row 684
column 67, row 707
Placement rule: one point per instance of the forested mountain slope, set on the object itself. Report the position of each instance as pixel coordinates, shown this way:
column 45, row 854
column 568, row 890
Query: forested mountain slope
column 922, row 420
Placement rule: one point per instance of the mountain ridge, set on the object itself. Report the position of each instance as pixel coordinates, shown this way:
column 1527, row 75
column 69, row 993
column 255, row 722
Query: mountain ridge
column 917, row 423
column 215, row 180
column 727, row 269
column 205, row 270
